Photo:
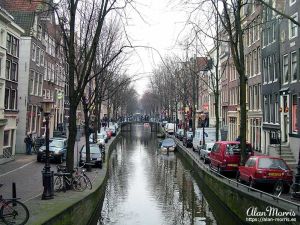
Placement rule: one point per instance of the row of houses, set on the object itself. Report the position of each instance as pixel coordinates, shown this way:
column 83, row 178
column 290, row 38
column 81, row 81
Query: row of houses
column 272, row 60
column 33, row 69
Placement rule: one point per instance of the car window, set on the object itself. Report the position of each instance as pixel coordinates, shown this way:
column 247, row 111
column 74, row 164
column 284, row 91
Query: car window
column 216, row 148
column 93, row 149
column 268, row 163
column 57, row 143
column 235, row 149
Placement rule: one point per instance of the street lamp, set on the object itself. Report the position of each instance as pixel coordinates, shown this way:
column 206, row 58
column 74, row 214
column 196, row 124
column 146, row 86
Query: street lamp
column 48, row 193
column 203, row 117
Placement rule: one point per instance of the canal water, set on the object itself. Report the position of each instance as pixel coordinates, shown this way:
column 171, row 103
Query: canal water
column 146, row 187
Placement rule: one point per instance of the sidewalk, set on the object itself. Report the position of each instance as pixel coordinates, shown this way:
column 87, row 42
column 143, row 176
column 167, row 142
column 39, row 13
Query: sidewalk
column 26, row 172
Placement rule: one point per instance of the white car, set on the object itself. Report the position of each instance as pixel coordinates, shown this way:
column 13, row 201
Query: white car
column 209, row 137
column 205, row 152
column 100, row 139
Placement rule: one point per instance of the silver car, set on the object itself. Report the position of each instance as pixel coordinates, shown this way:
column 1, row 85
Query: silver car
column 205, row 151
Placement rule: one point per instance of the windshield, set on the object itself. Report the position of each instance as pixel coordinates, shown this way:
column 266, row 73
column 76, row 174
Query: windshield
column 93, row 149
column 100, row 136
column 236, row 149
column 209, row 146
column 189, row 134
column 57, row 144
column 180, row 131
column 268, row 163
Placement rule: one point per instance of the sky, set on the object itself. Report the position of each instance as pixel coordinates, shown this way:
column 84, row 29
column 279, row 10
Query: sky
column 160, row 25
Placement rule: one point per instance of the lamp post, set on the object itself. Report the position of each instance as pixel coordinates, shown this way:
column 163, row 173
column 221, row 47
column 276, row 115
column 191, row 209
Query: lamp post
column 203, row 116
column 47, row 174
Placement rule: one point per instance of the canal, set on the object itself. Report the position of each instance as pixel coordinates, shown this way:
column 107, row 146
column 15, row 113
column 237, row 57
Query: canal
column 146, row 187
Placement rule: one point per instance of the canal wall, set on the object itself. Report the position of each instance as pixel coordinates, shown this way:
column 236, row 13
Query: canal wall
column 240, row 199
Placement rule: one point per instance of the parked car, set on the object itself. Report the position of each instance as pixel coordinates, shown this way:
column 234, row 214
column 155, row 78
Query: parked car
column 167, row 145
column 95, row 155
column 108, row 133
column 57, row 150
column 113, row 130
column 209, row 137
column 187, row 139
column 163, row 123
column 266, row 170
column 170, row 128
column 179, row 134
column 225, row 155
column 205, row 152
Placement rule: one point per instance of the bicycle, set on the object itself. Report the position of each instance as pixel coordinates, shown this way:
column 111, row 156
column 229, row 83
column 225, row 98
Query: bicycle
column 82, row 172
column 65, row 179
column 13, row 211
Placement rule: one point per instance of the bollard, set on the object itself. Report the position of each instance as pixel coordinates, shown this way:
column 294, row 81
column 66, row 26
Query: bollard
column 14, row 192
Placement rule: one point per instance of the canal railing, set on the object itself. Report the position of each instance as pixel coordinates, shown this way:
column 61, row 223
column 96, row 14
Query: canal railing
column 251, row 191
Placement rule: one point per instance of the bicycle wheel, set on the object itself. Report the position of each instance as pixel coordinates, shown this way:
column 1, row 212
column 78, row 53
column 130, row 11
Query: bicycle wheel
column 278, row 188
column 58, row 184
column 88, row 182
column 79, row 183
column 14, row 212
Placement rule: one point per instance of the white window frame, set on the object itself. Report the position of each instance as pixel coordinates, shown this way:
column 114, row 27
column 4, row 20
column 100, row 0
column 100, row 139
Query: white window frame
column 286, row 56
column 292, row 69
column 15, row 100
column 292, row 2
column 33, row 52
column 292, row 25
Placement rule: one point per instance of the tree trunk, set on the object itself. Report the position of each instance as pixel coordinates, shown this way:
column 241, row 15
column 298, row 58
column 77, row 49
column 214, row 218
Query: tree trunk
column 217, row 114
column 72, row 135
column 86, row 132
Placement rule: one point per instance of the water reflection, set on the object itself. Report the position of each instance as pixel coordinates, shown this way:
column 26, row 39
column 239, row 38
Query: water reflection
column 145, row 187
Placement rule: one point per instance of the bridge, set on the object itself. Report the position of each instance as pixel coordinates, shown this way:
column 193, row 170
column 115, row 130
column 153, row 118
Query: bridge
column 127, row 126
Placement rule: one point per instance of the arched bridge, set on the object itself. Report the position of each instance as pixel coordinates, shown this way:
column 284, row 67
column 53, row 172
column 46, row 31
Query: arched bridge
column 153, row 126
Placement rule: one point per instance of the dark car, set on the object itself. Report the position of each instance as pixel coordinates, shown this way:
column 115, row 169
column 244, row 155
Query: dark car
column 95, row 155
column 167, row 145
column 57, row 150
column 187, row 139
column 179, row 134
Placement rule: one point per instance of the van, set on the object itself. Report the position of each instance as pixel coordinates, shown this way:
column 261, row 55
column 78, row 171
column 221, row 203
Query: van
column 225, row 155
column 209, row 137
column 170, row 128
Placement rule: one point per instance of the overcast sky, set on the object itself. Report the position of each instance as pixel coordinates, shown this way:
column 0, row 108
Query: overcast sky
column 161, row 29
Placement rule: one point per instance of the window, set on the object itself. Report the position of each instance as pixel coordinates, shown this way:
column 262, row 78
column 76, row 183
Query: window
column 266, row 108
column 14, row 72
column 274, row 68
column 6, row 99
column 273, row 32
column 254, row 62
column 40, row 84
column 13, row 99
column 39, row 32
column 258, row 60
column 33, row 52
column 294, row 65
column 37, row 58
column 285, row 69
column 294, row 114
column 6, row 138
column 15, row 47
column 42, row 57
column 36, row 83
column 7, row 71
column 265, row 70
column 293, row 28
column 31, row 82
column 276, row 106
column 8, row 43
column 33, row 114
column 271, row 109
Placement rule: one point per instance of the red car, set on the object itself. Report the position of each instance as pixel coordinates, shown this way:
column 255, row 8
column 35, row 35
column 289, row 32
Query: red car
column 266, row 170
column 225, row 156
column 109, row 133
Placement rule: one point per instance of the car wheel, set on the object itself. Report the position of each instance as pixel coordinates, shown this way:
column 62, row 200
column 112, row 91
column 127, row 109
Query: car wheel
column 204, row 159
column 59, row 160
column 278, row 188
column 39, row 158
column 100, row 165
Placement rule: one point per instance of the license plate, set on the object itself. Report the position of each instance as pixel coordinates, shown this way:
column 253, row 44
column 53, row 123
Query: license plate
column 275, row 174
column 94, row 158
column 235, row 165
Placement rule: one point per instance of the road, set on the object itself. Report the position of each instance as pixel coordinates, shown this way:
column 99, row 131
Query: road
column 26, row 172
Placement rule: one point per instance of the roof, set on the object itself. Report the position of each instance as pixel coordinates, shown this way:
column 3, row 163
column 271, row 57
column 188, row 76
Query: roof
column 24, row 20
column 21, row 5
